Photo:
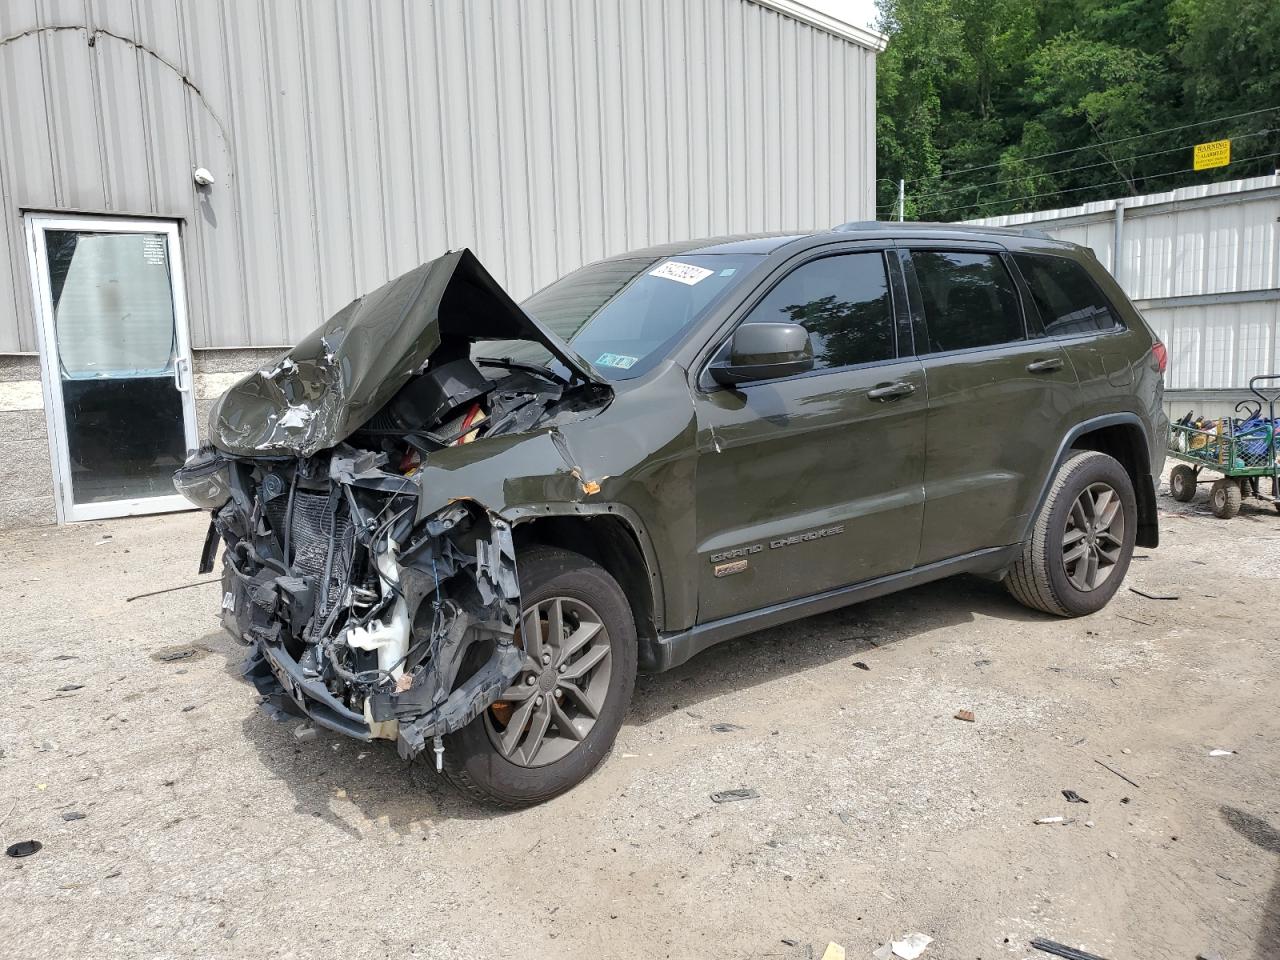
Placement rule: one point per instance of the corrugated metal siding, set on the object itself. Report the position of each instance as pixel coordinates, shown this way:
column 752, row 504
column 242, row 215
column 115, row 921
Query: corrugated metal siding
column 1217, row 346
column 352, row 141
column 1192, row 245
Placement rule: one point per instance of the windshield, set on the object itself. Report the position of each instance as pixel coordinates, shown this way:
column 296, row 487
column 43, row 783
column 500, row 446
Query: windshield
column 624, row 315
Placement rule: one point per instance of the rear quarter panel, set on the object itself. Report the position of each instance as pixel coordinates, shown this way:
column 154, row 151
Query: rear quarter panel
column 1117, row 371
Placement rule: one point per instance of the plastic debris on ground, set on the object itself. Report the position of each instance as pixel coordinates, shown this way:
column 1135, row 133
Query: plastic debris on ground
column 834, row 951
column 860, row 665
column 23, row 848
column 965, row 715
column 726, row 796
column 1154, row 596
column 1062, row 950
column 1073, row 797
column 174, row 655
column 1221, row 753
column 73, row 815
column 1115, row 771
column 908, row 948
column 1054, row 820
column 725, row 727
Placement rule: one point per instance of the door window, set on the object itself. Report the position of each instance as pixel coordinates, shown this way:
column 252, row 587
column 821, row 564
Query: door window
column 1066, row 296
column 843, row 301
column 969, row 300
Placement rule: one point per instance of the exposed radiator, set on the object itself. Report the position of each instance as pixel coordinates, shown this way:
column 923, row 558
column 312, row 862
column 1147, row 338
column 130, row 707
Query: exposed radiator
column 310, row 530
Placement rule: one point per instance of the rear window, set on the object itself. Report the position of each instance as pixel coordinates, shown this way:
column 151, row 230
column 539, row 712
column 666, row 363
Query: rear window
column 969, row 300
column 1066, row 296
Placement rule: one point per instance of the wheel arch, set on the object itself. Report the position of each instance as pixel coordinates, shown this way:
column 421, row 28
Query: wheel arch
column 606, row 536
column 1123, row 437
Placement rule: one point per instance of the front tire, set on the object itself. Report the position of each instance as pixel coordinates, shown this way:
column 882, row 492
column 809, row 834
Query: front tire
column 1182, row 483
column 563, row 711
column 1081, row 541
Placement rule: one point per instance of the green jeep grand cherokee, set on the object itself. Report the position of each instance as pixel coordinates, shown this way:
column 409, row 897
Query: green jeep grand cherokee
column 462, row 525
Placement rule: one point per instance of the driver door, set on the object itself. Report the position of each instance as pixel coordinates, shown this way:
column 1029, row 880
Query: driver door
column 808, row 483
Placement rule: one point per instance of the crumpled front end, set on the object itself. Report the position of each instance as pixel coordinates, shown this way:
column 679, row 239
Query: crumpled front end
column 372, row 615
column 370, row 623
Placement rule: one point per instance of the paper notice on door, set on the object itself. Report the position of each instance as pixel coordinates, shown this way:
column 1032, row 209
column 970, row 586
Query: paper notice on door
column 153, row 250
column 685, row 273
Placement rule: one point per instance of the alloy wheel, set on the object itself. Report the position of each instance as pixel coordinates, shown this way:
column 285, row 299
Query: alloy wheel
column 1094, row 537
column 555, row 700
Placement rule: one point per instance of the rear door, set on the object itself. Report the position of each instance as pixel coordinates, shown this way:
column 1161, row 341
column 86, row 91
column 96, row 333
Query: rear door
column 815, row 481
column 999, row 399
column 1073, row 310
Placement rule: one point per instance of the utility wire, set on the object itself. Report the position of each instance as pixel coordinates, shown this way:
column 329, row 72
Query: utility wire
column 1087, row 166
column 1103, row 143
column 1095, row 186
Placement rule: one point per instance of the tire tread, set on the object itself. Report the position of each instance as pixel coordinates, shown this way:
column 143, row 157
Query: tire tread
column 1232, row 498
column 1028, row 579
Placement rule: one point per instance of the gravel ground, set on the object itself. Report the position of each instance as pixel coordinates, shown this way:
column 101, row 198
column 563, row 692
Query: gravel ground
column 208, row 829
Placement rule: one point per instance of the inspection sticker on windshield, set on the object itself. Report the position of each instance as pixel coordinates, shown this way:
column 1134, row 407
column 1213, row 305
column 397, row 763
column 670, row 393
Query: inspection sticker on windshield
column 618, row 360
column 685, row 273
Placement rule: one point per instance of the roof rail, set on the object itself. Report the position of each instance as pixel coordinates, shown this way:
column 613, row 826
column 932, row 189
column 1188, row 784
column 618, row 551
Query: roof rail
column 854, row 226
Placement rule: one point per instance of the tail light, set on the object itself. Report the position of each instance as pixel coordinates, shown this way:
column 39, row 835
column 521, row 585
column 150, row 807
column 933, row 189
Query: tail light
column 1161, row 354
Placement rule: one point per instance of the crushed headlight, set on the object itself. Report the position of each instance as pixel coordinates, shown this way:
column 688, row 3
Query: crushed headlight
column 205, row 479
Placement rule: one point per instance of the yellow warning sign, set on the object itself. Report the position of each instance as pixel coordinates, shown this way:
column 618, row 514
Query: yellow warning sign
column 1215, row 154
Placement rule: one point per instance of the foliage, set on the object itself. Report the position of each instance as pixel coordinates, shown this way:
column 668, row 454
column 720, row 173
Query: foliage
column 1002, row 106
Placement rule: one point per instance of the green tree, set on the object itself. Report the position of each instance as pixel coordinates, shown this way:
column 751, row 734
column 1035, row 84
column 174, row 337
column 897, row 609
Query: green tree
column 999, row 106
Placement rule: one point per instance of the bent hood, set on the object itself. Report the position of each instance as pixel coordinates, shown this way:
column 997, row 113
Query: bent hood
column 341, row 374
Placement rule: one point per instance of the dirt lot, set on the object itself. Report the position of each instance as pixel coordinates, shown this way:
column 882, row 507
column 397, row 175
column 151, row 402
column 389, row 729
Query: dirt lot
column 210, row 830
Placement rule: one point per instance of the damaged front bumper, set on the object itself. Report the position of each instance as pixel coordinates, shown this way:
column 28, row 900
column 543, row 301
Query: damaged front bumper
column 370, row 622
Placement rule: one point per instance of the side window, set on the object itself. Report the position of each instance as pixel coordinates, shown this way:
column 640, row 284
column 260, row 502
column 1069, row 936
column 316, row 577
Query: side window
column 1068, row 299
column 969, row 299
column 843, row 301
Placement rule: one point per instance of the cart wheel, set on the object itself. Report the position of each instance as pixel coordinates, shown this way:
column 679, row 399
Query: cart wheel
column 1224, row 498
column 1182, row 483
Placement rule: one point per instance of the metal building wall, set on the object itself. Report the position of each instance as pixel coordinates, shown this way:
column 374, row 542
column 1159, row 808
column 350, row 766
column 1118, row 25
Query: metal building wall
column 1203, row 265
column 350, row 141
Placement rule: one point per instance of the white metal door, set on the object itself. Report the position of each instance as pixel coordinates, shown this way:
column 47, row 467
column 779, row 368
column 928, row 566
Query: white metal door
column 115, row 359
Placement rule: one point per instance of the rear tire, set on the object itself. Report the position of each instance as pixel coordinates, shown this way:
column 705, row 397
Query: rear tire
column 1224, row 498
column 1081, row 541
column 474, row 761
column 1182, row 483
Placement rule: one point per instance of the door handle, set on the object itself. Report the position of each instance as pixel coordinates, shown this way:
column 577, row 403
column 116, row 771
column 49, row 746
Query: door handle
column 1045, row 366
column 892, row 391
column 182, row 383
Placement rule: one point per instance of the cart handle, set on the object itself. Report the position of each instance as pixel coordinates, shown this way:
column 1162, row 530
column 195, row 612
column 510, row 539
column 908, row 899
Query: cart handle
column 1267, row 395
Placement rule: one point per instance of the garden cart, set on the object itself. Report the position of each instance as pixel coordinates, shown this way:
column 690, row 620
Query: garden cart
column 1242, row 450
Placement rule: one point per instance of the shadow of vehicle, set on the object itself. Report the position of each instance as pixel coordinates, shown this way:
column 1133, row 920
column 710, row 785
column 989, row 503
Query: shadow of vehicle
column 815, row 641
column 348, row 783
column 1260, row 833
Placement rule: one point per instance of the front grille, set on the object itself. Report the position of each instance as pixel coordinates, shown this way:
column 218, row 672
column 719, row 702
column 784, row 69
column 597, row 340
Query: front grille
column 310, row 535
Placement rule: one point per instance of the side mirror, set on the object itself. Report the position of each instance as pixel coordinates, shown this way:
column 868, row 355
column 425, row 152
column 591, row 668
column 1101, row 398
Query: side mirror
column 764, row 351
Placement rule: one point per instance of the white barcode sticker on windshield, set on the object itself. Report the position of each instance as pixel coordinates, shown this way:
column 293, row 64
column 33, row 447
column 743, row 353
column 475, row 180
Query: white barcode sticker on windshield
column 685, row 273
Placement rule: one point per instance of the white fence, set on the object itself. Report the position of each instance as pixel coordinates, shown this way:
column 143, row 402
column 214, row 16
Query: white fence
column 1203, row 265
